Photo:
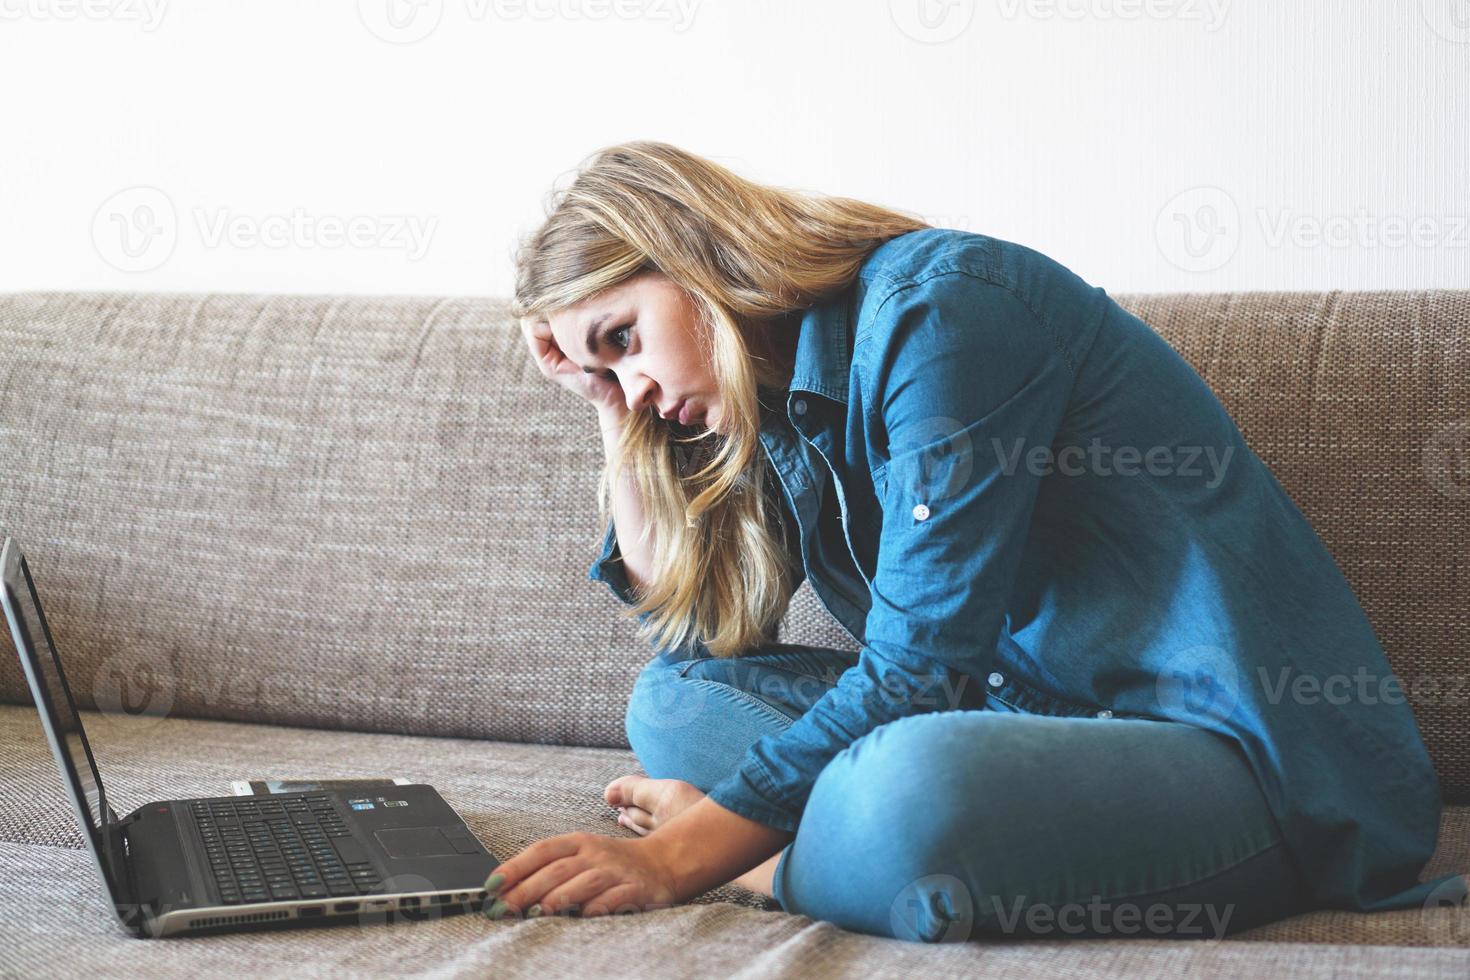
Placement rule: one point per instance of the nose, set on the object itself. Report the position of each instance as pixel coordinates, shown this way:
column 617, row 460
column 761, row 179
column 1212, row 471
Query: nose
column 637, row 391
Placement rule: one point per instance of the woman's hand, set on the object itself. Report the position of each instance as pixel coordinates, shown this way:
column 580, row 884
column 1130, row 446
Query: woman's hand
column 605, row 393
column 588, row 874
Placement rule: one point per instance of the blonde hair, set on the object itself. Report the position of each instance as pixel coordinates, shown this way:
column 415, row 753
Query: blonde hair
column 748, row 256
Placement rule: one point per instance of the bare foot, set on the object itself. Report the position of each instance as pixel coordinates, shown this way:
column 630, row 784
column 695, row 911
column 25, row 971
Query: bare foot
column 644, row 803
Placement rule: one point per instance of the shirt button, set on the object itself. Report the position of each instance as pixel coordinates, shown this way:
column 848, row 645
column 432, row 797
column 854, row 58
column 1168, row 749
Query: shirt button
column 921, row 513
column 1105, row 713
column 799, row 406
column 995, row 679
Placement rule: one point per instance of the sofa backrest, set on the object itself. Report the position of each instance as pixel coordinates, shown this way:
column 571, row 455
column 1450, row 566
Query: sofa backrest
column 373, row 513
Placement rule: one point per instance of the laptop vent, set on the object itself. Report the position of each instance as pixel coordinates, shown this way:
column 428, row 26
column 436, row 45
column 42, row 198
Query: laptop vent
column 224, row 920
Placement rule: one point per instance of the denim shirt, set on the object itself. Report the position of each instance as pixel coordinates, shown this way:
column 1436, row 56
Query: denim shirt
column 1037, row 495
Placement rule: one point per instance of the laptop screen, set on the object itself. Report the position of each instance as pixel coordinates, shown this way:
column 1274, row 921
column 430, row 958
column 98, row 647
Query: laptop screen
column 53, row 697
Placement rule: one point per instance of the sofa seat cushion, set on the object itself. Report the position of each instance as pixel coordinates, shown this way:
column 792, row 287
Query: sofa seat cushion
column 511, row 794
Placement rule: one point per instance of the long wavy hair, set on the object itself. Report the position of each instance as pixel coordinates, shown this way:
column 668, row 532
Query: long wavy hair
column 751, row 258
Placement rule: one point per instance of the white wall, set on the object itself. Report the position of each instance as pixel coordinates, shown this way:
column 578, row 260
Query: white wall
column 1148, row 144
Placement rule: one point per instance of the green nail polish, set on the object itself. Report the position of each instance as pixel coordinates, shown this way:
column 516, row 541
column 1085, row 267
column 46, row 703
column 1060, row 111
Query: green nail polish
column 498, row 909
column 493, row 883
column 533, row 911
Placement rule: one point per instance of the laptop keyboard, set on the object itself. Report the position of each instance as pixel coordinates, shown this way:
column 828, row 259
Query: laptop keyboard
column 262, row 849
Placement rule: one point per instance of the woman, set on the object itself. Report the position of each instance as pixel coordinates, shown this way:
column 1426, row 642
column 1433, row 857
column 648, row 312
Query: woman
column 1083, row 602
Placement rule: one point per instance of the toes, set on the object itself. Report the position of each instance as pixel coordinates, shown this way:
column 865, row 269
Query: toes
column 636, row 819
column 618, row 792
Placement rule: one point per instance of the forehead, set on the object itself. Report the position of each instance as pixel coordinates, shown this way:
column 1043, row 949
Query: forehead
column 578, row 327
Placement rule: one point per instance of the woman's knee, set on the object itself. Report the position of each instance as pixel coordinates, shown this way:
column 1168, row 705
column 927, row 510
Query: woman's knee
column 684, row 726
column 661, row 710
column 875, row 848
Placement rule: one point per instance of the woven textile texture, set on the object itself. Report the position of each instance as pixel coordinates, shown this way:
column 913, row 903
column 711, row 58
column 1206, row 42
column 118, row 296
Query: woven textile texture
column 374, row 513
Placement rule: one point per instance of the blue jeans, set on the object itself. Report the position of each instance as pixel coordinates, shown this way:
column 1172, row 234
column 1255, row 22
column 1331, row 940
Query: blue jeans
column 955, row 824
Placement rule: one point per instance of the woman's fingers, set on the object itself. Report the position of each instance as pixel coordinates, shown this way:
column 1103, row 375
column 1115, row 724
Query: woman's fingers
column 577, row 891
column 535, row 886
column 614, row 901
column 543, row 347
column 535, row 857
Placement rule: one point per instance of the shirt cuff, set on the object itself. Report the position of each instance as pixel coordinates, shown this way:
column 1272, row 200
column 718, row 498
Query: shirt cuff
column 608, row 567
column 750, row 793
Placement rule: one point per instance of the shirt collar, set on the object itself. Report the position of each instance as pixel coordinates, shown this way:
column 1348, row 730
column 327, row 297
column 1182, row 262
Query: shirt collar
column 824, row 349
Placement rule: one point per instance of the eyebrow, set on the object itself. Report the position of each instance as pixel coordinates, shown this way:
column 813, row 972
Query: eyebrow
column 592, row 333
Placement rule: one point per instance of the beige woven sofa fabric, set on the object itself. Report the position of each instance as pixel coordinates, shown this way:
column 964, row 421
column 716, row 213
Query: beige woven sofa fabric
column 374, row 514
column 511, row 794
column 366, row 523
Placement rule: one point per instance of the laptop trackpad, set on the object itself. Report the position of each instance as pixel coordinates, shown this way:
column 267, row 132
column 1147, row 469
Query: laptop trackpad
column 414, row 842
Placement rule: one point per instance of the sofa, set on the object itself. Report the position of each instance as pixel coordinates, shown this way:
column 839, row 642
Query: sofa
column 350, row 536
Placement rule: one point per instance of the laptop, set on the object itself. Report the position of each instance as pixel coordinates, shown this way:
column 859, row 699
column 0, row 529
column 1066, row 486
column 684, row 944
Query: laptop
column 238, row 863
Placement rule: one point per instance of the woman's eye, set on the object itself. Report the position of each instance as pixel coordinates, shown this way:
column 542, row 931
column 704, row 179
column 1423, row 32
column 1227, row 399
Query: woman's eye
column 614, row 333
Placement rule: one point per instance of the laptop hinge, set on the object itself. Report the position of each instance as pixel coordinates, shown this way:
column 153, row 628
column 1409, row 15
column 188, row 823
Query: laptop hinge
column 130, row 909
